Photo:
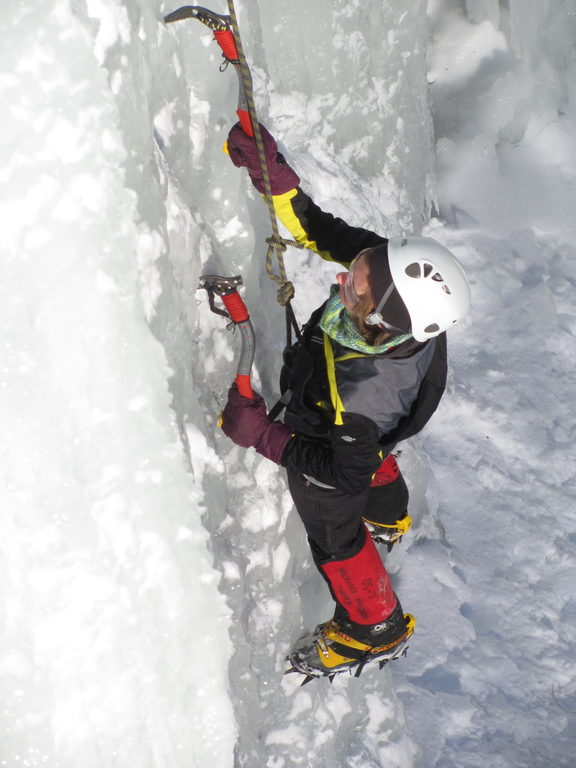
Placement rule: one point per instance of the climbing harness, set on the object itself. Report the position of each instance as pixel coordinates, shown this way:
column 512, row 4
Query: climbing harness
column 227, row 35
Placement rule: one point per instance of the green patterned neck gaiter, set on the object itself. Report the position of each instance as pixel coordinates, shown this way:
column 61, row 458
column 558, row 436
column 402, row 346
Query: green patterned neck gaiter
column 337, row 322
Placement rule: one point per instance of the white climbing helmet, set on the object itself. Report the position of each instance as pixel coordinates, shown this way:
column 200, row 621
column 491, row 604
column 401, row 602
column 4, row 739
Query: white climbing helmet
column 431, row 283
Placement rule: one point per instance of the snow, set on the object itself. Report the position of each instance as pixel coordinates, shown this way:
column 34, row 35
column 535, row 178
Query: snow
column 154, row 575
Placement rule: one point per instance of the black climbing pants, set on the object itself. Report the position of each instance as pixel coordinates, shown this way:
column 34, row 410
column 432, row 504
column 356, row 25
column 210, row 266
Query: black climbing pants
column 333, row 519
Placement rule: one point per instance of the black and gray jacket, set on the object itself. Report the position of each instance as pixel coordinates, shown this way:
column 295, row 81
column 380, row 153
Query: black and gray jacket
column 349, row 410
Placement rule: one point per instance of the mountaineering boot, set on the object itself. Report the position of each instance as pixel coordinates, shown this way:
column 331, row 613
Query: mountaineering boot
column 385, row 512
column 341, row 645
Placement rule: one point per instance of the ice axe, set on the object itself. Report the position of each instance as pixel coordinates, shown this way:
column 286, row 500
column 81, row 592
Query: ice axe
column 227, row 35
column 224, row 36
column 227, row 289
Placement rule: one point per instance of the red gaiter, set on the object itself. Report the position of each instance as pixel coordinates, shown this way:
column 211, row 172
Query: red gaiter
column 387, row 472
column 361, row 585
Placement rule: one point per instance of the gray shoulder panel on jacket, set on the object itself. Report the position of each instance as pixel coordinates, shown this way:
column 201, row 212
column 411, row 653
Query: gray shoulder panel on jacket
column 383, row 388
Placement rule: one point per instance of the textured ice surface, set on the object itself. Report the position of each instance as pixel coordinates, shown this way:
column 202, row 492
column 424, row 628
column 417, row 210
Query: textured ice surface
column 153, row 575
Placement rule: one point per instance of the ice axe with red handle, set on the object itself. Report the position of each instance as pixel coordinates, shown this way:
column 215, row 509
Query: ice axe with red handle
column 220, row 25
column 227, row 289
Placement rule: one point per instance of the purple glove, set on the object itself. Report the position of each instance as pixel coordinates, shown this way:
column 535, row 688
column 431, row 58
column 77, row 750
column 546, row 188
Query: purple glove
column 245, row 421
column 244, row 154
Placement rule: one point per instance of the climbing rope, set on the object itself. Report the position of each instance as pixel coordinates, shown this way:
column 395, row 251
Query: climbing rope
column 276, row 244
column 227, row 35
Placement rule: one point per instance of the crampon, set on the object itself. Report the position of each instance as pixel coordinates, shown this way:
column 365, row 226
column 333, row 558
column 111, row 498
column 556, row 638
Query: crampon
column 389, row 533
column 328, row 652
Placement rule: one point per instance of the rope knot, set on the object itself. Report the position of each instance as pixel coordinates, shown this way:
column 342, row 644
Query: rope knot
column 286, row 293
column 277, row 243
column 281, row 243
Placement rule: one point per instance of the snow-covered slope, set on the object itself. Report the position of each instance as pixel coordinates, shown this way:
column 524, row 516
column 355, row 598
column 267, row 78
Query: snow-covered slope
column 154, row 575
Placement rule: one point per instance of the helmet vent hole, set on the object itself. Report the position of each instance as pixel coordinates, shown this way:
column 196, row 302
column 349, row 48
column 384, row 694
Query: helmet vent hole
column 428, row 269
column 432, row 328
column 438, row 277
column 413, row 270
column 446, row 289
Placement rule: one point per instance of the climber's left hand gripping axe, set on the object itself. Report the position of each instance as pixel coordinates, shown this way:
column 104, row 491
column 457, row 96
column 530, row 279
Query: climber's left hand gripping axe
column 226, row 289
column 224, row 36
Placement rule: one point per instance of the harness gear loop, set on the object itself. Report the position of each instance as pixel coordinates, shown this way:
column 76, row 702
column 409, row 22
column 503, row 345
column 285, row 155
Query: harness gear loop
column 276, row 243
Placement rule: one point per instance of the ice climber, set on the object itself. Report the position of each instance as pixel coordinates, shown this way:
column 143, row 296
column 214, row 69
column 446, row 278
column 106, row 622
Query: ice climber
column 368, row 373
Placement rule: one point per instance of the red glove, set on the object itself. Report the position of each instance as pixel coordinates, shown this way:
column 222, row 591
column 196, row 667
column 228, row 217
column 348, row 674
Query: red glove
column 244, row 154
column 245, row 422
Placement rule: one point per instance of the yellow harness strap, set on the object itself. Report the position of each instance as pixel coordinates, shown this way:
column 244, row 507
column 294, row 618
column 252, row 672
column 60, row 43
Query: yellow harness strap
column 337, row 403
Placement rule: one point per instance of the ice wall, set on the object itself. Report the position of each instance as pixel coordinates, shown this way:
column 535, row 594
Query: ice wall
column 106, row 574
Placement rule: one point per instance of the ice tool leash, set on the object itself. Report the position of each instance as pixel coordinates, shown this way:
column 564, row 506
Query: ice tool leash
column 227, row 35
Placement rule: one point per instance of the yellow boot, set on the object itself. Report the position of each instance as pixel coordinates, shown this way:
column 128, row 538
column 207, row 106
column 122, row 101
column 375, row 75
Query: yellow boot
column 340, row 645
